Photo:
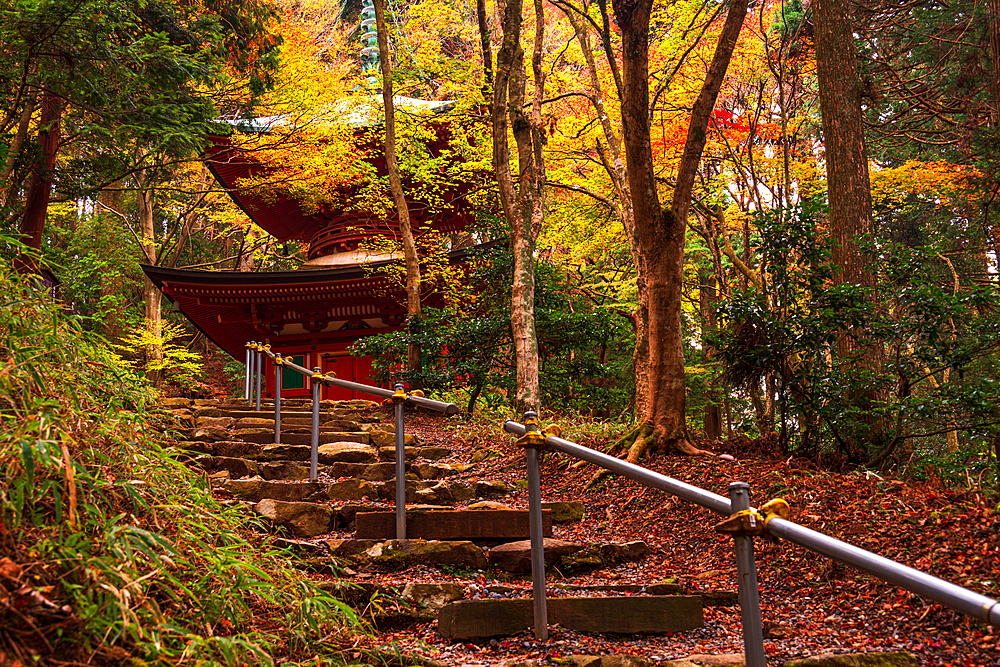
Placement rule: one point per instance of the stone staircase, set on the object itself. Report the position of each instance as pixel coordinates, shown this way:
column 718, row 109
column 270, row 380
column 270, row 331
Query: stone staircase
column 466, row 564
column 345, row 522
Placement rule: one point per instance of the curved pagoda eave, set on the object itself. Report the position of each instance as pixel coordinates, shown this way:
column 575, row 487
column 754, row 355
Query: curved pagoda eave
column 321, row 306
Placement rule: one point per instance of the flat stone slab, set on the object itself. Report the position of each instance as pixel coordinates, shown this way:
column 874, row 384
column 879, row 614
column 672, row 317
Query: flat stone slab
column 388, row 453
column 704, row 660
column 469, row 619
column 615, row 660
column 285, row 452
column 434, row 470
column 451, row 525
column 199, row 447
column 351, row 489
column 379, row 472
column 346, row 548
column 211, row 434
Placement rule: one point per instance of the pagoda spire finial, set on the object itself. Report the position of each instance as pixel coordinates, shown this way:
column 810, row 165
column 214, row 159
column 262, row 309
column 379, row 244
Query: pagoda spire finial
column 370, row 63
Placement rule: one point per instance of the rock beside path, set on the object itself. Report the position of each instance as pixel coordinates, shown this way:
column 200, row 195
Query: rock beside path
column 565, row 511
column 303, row 519
column 433, row 596
column 395, row 554
column 515, row 557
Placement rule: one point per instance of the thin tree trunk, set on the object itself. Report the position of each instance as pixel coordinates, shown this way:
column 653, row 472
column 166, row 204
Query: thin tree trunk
column 619, row 178
column 994, row 19
column 523, row 206
column 36, row 203
column 15, row 148
column 485, row 45
column 850, row 206
column 395, row 184
column 712, row 418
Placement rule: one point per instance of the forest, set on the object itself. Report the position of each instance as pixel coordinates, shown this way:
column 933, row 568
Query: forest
column 695, row 227
column 813, row 262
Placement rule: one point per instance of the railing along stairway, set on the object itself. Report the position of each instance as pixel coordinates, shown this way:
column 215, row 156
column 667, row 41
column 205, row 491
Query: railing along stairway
column 743, row 523
column 255, row 355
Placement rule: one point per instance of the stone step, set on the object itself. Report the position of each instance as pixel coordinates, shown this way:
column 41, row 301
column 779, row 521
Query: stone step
column 286, row 413
column 256, row 489
column 266, row 436
column 472, row 619
column 291, row 487
column 451, row 525
column 294, row 423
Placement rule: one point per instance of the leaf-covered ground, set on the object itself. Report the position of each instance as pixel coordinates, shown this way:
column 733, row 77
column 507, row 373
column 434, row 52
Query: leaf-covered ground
column 810, row 605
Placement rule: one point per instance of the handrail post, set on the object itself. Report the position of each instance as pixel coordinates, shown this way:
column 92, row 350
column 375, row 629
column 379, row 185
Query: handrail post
column 246, row 376
column 252, row 374
column 397, row 403
column 260, row 367
column 537, row 538
column 278, row 361
column 746, row 571
column 314, row 453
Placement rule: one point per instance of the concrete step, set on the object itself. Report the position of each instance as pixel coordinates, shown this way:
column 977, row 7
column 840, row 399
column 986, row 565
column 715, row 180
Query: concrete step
column 472, row 619
column 452, row 525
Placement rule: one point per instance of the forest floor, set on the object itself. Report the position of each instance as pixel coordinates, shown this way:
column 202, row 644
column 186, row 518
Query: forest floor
column 810, row 605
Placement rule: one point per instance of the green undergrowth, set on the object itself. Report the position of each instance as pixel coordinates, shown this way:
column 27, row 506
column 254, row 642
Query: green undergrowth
column 135, row 562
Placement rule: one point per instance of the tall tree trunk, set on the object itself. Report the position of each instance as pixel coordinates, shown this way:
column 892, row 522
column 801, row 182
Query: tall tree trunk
column 660, row 231
column 712, row 418
column 994, row 19
column 151, row 296
column 395, row 184
column 40, row 189
column 618, row 174
column 850, row 205
column 523, row 206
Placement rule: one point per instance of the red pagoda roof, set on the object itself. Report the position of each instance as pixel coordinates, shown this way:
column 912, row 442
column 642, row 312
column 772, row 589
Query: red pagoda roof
column 330, row 229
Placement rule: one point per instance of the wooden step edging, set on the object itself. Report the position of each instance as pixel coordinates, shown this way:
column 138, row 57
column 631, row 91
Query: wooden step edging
column 471, row 619
column 451, row 525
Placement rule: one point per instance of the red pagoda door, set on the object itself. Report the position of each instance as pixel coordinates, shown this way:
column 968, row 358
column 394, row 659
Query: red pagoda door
column 343, row 367
column 350, row 368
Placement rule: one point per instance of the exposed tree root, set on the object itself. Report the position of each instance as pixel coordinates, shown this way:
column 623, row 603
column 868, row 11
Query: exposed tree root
column 645, row 438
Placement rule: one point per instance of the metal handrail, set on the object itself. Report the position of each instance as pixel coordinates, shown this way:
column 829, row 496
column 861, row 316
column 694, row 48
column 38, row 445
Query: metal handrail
column 419, row 401
column 252, row 389
column 950, row 595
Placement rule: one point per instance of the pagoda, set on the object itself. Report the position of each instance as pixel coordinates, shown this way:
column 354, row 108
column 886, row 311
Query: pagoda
column 313, row 314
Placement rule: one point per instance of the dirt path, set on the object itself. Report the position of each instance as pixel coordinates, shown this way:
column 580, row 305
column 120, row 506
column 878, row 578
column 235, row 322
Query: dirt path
column 810, row 605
